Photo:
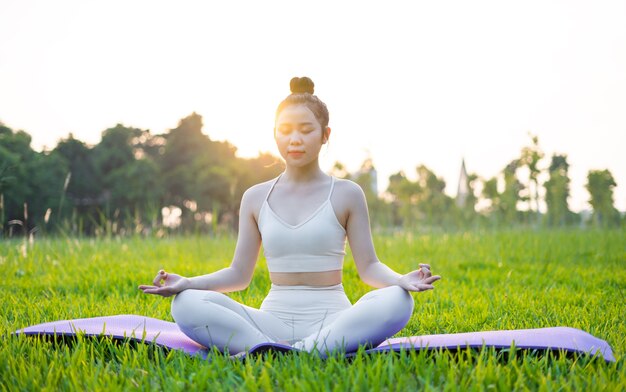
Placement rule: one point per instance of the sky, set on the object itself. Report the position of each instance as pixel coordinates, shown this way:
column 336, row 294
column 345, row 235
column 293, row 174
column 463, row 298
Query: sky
column 406, row 82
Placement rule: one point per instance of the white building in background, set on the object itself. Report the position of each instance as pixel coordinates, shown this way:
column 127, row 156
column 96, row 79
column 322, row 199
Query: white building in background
column 374, row 179
column 462, row 190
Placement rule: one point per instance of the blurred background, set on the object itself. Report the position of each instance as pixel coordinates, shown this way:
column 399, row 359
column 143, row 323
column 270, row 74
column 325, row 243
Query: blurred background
column 149, row 117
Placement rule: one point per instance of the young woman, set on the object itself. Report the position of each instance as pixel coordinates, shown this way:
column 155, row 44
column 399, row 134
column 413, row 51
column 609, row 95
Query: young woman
column 303, row 218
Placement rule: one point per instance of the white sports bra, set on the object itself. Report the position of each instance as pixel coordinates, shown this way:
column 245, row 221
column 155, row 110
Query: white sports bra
column 317, row 244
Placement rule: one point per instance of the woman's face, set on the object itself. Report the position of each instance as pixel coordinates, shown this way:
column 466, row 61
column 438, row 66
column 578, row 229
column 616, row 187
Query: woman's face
column 298, row 135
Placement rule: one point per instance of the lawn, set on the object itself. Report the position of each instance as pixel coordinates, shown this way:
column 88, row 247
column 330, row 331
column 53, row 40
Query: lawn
column 491, row 280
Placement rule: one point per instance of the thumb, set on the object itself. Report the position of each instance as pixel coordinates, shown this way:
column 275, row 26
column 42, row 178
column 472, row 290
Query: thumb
column 162, row 275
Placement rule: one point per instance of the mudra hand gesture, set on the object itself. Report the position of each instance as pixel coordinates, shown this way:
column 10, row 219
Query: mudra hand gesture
column 419, row 280
column 165, row 284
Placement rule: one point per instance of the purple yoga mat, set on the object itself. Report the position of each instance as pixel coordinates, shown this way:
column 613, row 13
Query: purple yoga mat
column 167, row 334
column 556, row 338
column 138, row 328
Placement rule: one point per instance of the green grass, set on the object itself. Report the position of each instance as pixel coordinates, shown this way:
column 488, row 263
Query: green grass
column 491, row 280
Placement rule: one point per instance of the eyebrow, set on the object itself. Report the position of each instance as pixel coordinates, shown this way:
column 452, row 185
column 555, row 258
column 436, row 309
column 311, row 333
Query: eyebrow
column 289, row 123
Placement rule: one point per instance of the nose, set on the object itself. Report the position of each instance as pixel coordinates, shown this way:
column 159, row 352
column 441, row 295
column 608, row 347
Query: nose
column 295, row 139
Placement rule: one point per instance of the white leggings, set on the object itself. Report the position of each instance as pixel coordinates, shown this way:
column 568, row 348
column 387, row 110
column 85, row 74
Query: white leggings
column 309, row 318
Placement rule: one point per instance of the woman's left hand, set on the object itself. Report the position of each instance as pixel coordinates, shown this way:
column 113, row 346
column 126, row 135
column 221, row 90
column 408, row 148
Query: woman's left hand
column 419, row 280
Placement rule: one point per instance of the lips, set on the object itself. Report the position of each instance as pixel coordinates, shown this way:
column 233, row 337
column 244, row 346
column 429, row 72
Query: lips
column 295, row 153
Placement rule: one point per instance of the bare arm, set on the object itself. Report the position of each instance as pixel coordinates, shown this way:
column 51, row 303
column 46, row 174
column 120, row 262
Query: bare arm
column 239, row 274
column 233, row 278
column 371, row 270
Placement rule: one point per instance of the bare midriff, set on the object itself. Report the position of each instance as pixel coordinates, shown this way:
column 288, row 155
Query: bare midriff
column 325, row 278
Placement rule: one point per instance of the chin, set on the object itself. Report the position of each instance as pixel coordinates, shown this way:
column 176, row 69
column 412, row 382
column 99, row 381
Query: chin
column 299, row 162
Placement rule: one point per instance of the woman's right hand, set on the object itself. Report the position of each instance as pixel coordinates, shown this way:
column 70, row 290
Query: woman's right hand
column 166, row 284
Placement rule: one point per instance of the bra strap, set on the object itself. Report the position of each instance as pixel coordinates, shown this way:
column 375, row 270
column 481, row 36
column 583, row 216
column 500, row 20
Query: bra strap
column 332, row 185
column 272, row 187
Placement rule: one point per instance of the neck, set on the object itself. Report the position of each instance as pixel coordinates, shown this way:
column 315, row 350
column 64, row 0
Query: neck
column 303, row 173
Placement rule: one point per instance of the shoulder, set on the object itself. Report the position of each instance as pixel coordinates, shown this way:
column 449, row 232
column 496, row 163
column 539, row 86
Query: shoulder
column 254, row 196
column 348, row 189
column 348, row 198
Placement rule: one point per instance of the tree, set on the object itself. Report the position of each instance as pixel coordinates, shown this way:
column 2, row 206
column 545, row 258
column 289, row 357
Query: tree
column 140, row 203
column 403, row 193
column 16, row 157
column 31, row 182
column 557, row 192
column 490, row 193
column 48, row 173
column 432, row 202
column 198, row 171
column 503, row 207
column 119, row 181
column 600, row 184
column 84, row 192
column 530, row 157
column 512, row 194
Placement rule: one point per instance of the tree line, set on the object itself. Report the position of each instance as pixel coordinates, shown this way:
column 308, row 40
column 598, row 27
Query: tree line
column 130, row 182
column 511, row 198
column 134, row 181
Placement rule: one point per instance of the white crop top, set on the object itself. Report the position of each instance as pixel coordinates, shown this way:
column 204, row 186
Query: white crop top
column 317, row 244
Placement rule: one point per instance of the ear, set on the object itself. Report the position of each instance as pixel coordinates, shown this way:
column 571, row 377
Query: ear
column 326, row 135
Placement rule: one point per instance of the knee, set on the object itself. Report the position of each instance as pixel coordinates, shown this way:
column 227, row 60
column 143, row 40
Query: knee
column 187, row 305
column 182, row 305
column 398, row 305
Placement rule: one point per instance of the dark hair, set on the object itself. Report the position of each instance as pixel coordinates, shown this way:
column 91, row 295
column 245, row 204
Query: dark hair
column 302, row 94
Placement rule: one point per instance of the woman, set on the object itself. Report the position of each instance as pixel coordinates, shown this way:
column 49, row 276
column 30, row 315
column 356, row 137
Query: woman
column 303, row 218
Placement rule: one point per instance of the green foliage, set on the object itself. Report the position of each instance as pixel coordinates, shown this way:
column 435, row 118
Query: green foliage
column 600, row 184
column 122, row 185
column 557, row 192
column 512, row 194
column 30, row 182
column 503, row 205
column 422, row 201
column 491, row 280
column 531, row 157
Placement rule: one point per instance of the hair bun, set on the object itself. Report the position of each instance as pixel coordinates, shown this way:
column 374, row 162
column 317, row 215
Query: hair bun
column 301, row 85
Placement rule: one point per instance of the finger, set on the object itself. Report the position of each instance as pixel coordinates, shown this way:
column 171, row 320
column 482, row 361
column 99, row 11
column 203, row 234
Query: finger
column 162, row 275
column 420, row 287
column 145, row 286
column 424, row 265
column 432, row 279
column 162, row 291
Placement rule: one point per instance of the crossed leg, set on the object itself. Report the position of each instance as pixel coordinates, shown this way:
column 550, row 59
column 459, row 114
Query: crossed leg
column 375, row 317
column 213, row 319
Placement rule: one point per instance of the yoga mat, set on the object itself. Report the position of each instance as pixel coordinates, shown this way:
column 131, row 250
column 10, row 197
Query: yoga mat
column 140, row 329
column 166, row 334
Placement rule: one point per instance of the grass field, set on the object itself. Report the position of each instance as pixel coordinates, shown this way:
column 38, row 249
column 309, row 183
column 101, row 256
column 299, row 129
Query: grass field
column 491, row 280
